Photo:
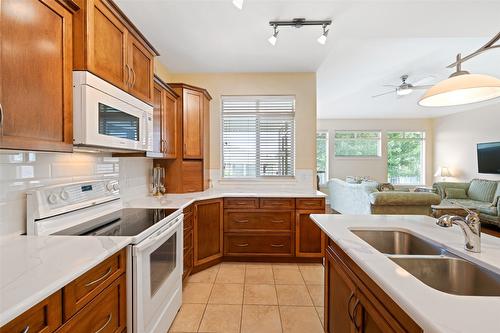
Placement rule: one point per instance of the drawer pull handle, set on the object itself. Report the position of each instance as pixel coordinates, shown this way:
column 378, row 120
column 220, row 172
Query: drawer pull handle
column 242, row 245
column 241, row 203
column 277, row 245
column 241, row 221
column 105, row 324
column 277, row 221
column 99, row 279
column 310, row 203
column 26, row 329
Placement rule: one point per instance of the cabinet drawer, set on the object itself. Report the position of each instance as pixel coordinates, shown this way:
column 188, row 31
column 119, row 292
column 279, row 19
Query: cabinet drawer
column 310, row 203
column 277, row 203
column 255, row 244
column 188, row 240
column 257, row 220
column 105, row 314
column 45, row 317
column 84, row 288
column 237, row 203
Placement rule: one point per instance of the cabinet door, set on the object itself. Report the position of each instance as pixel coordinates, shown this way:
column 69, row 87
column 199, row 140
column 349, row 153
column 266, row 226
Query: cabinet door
column 340, row 298
column 169, row 125
column 36, row 75
column 107, row 46
column 207, row 231
column 371, row 320
column 192, row 124
column 157, row 119
column 309, row 239
column 140, row 62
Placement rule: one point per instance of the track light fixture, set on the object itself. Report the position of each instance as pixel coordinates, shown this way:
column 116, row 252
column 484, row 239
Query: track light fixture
column 272, row 40
column 238, row 4
column 299, row 23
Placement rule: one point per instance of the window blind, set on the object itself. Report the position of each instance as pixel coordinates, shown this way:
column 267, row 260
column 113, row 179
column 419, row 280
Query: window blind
column 258, row 136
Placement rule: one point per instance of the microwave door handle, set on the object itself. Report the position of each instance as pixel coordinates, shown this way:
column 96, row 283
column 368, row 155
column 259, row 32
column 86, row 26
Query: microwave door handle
column 158, row 236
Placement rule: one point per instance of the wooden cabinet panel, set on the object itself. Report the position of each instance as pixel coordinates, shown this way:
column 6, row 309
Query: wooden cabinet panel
column 208, row 242
column 45, row 317
column 36, row 75
column 192, row 176
column 188, row 264
column 310, row 203
column 277, row 203
column 169, row 129
column 309, row 239
column 258, row 244
column 83, row 289
column 240, row 203
column 193, row 124
column 157, row 120
column 106, row 313
column 237, row 220
column 141, row 63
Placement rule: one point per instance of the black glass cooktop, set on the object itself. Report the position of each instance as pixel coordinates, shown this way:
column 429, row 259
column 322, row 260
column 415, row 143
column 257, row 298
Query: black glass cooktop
column 130, row 222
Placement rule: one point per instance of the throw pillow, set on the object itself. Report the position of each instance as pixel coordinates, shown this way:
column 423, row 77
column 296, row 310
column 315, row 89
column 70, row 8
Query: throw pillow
column 385, row 187
column 456, row 193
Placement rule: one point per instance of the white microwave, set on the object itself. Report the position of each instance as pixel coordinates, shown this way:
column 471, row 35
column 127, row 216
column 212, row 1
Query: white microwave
column 105, row 116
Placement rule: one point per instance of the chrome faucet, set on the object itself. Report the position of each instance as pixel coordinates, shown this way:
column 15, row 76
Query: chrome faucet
column 471, row 226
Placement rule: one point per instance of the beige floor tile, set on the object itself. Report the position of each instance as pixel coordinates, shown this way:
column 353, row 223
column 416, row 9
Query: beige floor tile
column 310, row 265
column 261, row 319
column 259, row 275
column 293, row 295
column 195, row 292
column 285, row 265
column 287, row 276
column 317, row 293
column 188, row 318
column 321, row 314
column 258, row 264
column 206, row 276
column 263, row 294
column 231, row 274
column 312, row 275
column 221, row 319
column 226, row 294
column 298, row 319
column 233, row 264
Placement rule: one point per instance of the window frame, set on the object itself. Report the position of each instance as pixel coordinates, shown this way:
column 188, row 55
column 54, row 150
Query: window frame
column 258, row 178
column 423, row 159
column 379, row 148
column 327, row 157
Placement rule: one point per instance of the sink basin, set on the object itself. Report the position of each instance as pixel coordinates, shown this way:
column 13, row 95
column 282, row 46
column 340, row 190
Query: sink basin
column 398, row 242
column 452, row 275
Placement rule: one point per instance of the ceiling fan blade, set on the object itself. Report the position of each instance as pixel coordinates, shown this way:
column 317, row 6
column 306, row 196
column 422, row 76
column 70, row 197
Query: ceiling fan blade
column 423, row 87
column 382, row 94
column 390, row 85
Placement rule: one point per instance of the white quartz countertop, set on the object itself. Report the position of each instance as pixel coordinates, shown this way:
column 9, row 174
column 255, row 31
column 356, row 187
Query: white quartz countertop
column 34, row 267
column 433, row 310
column 180, row 201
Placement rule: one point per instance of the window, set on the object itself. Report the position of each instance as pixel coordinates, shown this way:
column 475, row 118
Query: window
column 322, row 157
column 258, row 136
column 405, row 157
column 357, row 144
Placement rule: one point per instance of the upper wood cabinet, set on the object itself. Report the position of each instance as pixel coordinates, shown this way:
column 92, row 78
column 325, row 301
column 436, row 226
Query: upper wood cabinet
column 36, row 75
column 108, row 45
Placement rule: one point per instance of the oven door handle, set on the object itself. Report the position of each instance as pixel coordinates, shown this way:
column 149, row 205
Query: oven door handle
column 157, row 236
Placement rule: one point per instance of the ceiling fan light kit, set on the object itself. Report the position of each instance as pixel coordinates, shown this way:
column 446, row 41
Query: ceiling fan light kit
column 462, row 87
column 299, row 23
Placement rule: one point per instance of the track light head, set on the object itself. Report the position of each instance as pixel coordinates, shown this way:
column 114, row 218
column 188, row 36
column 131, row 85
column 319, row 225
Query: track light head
column 322, row 39
column 238, row 4
column 274, row 38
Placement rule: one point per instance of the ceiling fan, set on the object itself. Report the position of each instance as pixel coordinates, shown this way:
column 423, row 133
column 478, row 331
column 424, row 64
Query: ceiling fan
column 404, row 88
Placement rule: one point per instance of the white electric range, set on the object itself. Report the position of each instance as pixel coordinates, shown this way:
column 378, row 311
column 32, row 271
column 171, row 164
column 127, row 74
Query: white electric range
column 154, row 267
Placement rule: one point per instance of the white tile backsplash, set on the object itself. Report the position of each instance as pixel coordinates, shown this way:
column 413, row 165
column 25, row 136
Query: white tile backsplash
column 22, row 171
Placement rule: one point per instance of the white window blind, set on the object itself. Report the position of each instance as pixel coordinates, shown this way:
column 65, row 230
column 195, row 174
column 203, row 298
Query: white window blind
column 258, row 138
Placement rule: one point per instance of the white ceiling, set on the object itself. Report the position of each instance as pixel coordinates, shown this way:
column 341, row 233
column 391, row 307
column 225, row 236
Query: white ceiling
column 371, row 43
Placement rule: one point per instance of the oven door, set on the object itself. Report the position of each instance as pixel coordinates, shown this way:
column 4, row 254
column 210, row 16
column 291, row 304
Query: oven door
column 157, row 277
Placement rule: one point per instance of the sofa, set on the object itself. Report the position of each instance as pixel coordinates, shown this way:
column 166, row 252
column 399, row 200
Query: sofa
column 480, row 194
column 365, row 198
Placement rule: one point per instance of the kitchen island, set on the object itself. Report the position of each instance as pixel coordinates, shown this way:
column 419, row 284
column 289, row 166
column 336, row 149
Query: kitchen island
column 366, row 291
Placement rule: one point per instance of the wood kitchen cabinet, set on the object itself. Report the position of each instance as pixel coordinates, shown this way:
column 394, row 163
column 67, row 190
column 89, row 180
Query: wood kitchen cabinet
column 354, row 303
column 36, row 75
column 208, row 234
column 188, row 241
column 309, row 239
column 108, row 45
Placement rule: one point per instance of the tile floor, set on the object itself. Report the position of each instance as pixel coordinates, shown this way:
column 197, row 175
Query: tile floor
column 253, row 298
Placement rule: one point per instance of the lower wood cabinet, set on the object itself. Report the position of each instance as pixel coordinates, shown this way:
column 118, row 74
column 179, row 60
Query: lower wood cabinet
column 309, row 239
column 258, row 244
column 188, row 241
column 354, row 303
column 208, row 240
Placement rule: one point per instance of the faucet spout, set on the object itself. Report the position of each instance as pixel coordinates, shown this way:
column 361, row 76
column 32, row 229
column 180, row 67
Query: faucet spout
column 471, row 227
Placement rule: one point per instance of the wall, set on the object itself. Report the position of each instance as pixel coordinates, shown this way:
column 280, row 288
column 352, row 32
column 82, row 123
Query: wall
column 375, row 168
column 456, row 137
column 162, row 72
column 302, row 85
column 22, row 171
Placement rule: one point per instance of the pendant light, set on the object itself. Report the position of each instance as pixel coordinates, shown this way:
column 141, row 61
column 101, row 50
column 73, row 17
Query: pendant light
column 462, row 87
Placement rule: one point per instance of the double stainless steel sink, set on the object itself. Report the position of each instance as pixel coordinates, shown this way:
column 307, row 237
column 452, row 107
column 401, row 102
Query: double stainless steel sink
column 432, row 264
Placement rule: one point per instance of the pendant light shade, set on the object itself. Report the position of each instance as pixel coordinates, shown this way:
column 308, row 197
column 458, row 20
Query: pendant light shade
column 462, row 89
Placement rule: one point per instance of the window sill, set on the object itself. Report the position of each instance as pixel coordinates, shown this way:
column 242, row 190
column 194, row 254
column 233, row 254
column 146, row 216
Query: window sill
column 278, row 180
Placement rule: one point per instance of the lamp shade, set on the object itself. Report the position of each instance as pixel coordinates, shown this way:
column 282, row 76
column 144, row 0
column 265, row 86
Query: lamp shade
column 443, row 172
column 462, row 89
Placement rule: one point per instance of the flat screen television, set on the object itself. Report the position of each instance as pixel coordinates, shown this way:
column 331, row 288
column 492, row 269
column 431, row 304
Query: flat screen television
column 488, row 157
